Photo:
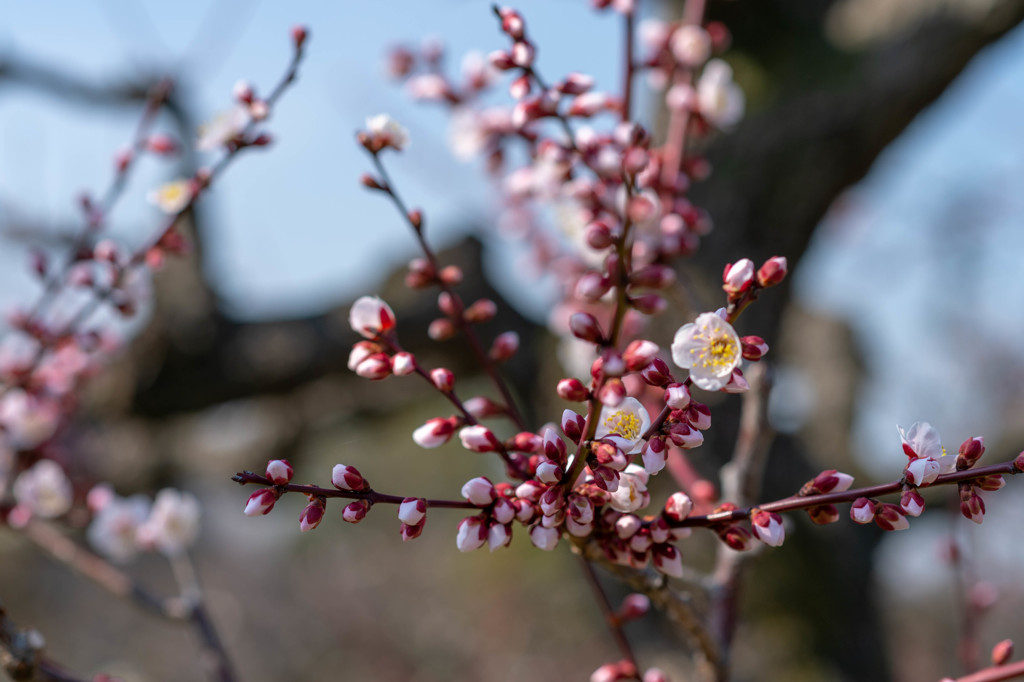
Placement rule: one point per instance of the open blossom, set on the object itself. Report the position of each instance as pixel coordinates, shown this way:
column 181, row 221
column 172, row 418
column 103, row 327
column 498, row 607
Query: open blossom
column 624, row 425
column 114, row 530
column 721, row 101
column 710, row 349
column 172, row 197
column 387, row 132
column 371, row 317
column 173, row 524
column 224, row 128
column 44, row 489
column 632, row 491
column 928, row 458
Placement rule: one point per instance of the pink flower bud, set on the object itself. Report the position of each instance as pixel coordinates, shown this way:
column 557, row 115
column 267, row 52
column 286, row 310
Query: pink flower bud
column 544, row 538
column 772, row 272
column 649, row 304
column 434, row 433
column 345, row 477
column 862, row 510
column 479, row 491
column 530, row 490
column 572, row 389
column 606, row 479
column 922, row 471
column 698, row 415
column 678, row 506
column 472, row 534
column 512, row 23
column 971, row 451
column 312, row 515
column 668, row 560
column 990, row 483
column 443, row 378
column 634, row 606
column 639, row 354
column 525, row 511
column 551, row 501
column 612, row 392
column 374, row 367
column 599, row 235
column 504, row 347
column 592, row 286
column 828, row 481
column 911, row 503
column 243, row 92
column 261, row 502
column 411, row 532
column 891, row 517
column 585, row 326
column 768, row 527
column 1002, row 652
column 677, row 396
column 653, row 277
column 684, row 436
column 823, row 514
column 161, row 144
column 971, row 505
column 299, row 36
column 503, row 511
column 354, row 512
column 481, row 311
column 441, row 329
column 371, row 317
column 520, row 87
column 738, row 276
column 501, row 60
column 576, row 84
column 403, row 364
column 653, row 453
column 589, row 103
column 627, row 525
column 657, row 373
column 279, row 471
column 412, row 511
column 610, row 364
column 523, row 54
column 549, row 472
column 498, row 535
column 572, row 425
column 754, row 347
column 482, row 407
column 478, row 438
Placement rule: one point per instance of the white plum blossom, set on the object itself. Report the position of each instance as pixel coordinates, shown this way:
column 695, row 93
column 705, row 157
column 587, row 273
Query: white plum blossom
column 173, row 197
column 44, row 489
column 27, row 419
column 114, row 530
column 710, row 348
column 928, row 459
column 388, row 131
column 720, row 100
column 624, row 425
column 173, row 523
column 371, row 317
column 691, row 45
column 630, row 494
column 224, row 128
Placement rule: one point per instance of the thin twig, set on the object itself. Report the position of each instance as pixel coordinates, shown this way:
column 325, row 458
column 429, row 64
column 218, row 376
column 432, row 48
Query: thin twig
column 371, row 496
column 612, row 620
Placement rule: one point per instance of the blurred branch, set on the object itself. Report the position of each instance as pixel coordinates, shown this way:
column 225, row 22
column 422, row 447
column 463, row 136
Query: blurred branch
column 21, row 655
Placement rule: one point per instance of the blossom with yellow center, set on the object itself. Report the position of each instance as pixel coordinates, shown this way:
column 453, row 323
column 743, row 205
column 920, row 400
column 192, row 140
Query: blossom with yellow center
column 710, row 349
column 173, row 197
column 624, row 425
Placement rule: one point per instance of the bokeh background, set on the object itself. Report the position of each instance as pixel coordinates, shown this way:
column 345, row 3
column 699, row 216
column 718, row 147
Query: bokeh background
column 881, row 154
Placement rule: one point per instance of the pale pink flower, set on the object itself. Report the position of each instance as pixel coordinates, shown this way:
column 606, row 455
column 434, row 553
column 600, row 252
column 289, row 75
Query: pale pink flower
column 173, row 523
column 44, row 489
column 114, row 530
column 371, row 317
column 721, row 101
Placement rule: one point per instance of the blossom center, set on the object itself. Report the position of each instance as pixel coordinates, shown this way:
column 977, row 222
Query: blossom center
column 718, row 354
column 625, row 424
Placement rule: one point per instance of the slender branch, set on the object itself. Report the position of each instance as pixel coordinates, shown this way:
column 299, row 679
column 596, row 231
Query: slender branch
column 371, row 496
column 614, row 624
column 460, row 320
column 1009, row 671
column 628, row 72
column 21, row 655
column 796, row 502
column 218, row 663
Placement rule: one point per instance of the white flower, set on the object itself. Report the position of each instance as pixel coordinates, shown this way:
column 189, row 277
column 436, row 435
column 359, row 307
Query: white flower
column 173, row 523
column 691, row 45
column 371, row 317
column 721, row 101
column 630, row 494
column 44, row 489
column 224, row 128
column 710, row 349
column 928, row 459
column 114, row 530
column 624, row 425
column 172, row 197
column 388, row 131
column 28, row 419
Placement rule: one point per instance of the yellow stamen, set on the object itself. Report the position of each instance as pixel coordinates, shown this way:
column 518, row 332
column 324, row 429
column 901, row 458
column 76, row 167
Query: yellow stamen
column 625, row 424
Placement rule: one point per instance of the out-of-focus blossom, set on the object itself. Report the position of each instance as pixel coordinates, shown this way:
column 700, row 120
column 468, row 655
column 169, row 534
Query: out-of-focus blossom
column 720, row 100
column 223, row 129
column 173, row 523
column 114, row 530
column 172, row 197
column 44, row 489
column 387, row 132
column 371, row 317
